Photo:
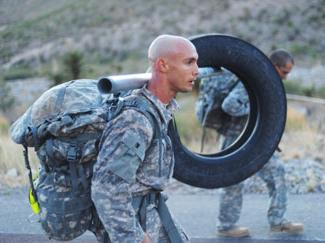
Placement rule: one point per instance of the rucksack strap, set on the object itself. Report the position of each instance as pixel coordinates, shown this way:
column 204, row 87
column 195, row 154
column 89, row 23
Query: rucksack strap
column 156, row 198
column 168, row 222
column 142, row 105
column 61, row 94
column 30, row 174
column 98, row 228
column 77, row 172
column 202, row 139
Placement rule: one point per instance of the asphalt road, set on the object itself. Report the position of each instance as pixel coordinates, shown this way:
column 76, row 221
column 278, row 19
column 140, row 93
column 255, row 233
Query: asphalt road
column 196, row 212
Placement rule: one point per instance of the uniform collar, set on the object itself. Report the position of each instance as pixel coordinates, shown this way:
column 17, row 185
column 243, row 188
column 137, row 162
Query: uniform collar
column 166, row 110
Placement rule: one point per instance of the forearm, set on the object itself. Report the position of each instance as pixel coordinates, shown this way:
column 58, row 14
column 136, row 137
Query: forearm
column 236, row 108
column 237, row 102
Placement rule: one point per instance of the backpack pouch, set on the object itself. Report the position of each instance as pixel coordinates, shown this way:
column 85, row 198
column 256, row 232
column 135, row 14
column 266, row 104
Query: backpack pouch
column 56, row 151
column 65, row 214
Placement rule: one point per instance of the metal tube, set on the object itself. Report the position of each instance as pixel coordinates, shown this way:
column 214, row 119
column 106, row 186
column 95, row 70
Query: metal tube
column 118, row 83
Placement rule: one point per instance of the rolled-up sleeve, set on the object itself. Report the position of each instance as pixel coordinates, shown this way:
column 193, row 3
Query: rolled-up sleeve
column 122, row 150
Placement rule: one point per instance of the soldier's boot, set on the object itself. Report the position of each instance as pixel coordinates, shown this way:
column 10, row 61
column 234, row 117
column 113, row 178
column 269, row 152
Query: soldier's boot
column 288, row 227
column 235, row 232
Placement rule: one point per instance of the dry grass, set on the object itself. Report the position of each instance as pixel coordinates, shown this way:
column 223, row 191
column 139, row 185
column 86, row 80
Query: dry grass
column 296, row 120
column 189, row 128
column 303, row 136
column 11, row 157
column 300, row 139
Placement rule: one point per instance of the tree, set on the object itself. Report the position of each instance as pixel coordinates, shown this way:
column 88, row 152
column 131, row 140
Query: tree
column 72, row 67
column 73, row 64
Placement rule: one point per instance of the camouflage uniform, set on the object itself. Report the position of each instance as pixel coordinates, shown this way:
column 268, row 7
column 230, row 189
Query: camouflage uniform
column 236, row 104
column 128, row 167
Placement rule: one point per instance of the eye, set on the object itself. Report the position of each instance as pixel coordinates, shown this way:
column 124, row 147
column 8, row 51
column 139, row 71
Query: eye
column 190, row 61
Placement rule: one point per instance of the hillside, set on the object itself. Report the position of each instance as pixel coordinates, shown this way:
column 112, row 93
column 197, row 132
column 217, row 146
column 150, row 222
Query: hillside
column 113, row 36
column 34, row 33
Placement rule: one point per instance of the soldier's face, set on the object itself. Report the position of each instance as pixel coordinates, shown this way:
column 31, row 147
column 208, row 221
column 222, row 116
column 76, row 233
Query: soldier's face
column 183, row 69
column 285, row 70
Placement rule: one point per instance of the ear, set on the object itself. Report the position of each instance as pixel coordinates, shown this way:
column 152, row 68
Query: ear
column 277, row 68
column 162, row 65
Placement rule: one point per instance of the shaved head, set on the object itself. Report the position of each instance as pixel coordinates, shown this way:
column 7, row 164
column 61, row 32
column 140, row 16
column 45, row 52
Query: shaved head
column 173, row 62
column 166, row 46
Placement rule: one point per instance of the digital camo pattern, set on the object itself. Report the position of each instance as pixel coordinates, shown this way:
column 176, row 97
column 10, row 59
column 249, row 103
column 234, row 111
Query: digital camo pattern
column 65, row 213
column 66, row 209
column 213, row 89
column 64, row 125
column 236, row 104
column 128, row 166
column 231, row 198
column 156, row 231
column 57, row 112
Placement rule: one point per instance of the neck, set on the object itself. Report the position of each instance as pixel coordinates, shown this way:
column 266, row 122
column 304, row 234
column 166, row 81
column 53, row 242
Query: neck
column 160, row 88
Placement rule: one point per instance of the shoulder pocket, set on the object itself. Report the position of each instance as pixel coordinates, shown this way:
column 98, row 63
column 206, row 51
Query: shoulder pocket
column 128, row 155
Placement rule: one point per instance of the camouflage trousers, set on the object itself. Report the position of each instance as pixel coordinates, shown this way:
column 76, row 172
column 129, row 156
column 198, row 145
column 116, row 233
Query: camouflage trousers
column 231, row 199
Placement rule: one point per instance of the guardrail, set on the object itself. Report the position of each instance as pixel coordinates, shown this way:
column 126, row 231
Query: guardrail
column 305, row 99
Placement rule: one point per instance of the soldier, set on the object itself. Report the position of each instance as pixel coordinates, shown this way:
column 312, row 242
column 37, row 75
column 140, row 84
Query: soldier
column 134, row 164
column 236, row 105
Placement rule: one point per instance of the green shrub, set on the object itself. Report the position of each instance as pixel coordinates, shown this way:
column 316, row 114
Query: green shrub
column 73, row 64
column 309, row 91
column 295, row 88
column 58, row 78
column 72, row 67
column 292, row 87
column 320, row 92
column 19, row 73
column 6, row 99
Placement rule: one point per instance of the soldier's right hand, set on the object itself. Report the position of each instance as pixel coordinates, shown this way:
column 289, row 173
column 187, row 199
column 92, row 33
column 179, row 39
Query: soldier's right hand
column 146, row 239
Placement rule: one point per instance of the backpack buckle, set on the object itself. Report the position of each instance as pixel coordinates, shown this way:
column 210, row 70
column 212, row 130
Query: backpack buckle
column 112, row 104
column 72, row 153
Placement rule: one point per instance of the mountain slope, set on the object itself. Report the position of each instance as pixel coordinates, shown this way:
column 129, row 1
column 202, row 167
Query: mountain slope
column 34, row 32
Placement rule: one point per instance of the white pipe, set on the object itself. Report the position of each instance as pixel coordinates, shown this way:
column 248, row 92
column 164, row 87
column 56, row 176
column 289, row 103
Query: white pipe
column 118, row 83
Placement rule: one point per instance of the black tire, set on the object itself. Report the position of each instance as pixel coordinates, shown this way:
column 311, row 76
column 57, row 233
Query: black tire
column 265, row 125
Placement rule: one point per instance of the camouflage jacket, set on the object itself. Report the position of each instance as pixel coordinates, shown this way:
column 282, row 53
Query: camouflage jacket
column 128, row 165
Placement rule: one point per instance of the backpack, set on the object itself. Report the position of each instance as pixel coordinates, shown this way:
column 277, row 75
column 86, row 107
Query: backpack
column 213, row 90
column 64, row 126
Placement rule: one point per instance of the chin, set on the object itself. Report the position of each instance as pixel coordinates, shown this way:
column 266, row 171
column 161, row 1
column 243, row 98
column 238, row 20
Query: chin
column 186, row 90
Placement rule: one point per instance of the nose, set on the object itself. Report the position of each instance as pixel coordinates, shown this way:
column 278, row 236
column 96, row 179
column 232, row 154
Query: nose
column 196, row 70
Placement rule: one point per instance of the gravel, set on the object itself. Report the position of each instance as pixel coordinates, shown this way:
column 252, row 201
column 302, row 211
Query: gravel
column 302, row 176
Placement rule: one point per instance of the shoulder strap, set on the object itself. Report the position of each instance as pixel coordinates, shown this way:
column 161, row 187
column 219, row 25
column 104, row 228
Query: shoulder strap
column 61, row 94
column 142, row 105
column 234, row 85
